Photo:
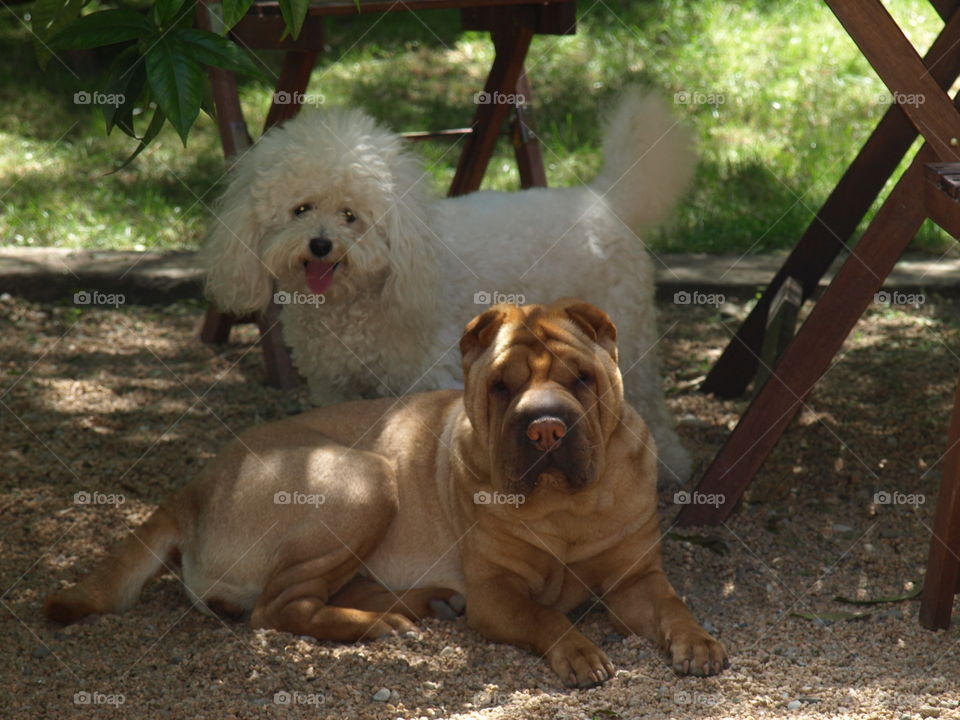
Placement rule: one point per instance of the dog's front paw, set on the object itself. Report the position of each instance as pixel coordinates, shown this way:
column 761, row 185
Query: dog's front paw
column 695, row 652
column 579, row 662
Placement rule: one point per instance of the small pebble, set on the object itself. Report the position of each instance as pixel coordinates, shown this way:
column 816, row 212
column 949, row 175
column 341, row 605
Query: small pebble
column 430, row 685
column 41, row 651
column 794, row 705
column 447, row 651
column 929, row 712
column 381, row 695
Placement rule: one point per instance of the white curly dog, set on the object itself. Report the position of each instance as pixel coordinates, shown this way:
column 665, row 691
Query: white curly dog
column 378, row 274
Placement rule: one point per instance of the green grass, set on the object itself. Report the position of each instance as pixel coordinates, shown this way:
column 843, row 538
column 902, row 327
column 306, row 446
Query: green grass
column 798, row 102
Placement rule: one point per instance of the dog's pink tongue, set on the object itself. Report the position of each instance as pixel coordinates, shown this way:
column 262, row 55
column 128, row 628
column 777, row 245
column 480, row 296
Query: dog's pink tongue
column 319, row 276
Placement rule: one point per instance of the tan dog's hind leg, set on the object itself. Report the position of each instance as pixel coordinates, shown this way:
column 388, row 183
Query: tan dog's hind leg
column 115, row 583
column 416, row 604
column 501, row 611
column 296, row 600
column 649, row 606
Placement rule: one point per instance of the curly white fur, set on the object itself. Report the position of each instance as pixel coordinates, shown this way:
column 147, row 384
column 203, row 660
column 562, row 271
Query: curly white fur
column 412, row 265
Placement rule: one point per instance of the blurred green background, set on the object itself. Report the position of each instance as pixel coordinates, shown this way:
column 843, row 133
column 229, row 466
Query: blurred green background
column 793, row 102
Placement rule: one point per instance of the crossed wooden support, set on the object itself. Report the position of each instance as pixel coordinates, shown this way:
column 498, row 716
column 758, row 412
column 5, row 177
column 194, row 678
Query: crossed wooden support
column 925, row 190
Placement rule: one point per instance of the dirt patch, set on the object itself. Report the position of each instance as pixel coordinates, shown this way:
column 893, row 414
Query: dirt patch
column 128, row 403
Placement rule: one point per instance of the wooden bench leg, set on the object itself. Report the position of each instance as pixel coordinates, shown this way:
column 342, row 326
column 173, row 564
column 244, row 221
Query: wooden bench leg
column 511, row 40
column 943, row 565
column 216, row 326
column 809, row 355
column 294, row 76
column 279, row 367
column 526, row 146
column 836, row 221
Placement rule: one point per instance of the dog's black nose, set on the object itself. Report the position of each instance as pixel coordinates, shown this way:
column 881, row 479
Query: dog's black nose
column 320, row 246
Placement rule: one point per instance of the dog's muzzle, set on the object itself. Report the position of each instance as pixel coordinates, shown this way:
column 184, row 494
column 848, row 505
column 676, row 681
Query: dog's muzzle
column 319, row 271
column 545, row 439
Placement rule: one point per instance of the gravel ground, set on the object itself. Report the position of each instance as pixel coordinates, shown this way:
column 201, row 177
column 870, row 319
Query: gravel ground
column 126, row 402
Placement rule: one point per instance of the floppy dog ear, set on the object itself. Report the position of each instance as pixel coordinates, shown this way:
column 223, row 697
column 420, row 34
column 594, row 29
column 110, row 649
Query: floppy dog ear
column 237, row 279
column 594, row 322
column 411, row 286
column 479, row 334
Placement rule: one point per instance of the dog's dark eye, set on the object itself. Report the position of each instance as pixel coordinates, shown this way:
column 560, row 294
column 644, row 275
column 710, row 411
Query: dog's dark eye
column 585, row 378
column 499, row 387
column 348, row 215
column 302, row 208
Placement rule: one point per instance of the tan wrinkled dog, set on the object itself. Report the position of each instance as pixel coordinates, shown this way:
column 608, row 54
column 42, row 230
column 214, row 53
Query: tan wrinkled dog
column 527, row 493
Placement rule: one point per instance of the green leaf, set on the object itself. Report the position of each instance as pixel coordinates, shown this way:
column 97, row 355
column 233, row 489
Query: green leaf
column 294, row 13
column 176, row 83
column 47, row 17
column 106, row 27
column 126, row 79
column 165, row 11
column 909, row 595
column 234, row 10
column 211, row 49
column 153, row 129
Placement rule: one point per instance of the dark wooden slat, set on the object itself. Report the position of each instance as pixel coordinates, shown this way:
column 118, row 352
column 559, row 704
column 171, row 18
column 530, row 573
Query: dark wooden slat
column 346, row 7
column 945, row 176
column 294, row 76
column 945, row 8
column 279, row 367
column 266, row 31
column 940, row 584
column 526, row 146
column 902, row 71
column 234, row 137
column 941, row 197
column 836, row 221
column 809, row 355
column 216, row 326
column 511, row 39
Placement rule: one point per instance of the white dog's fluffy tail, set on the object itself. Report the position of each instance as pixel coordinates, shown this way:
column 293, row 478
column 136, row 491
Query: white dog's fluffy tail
column 648, row 159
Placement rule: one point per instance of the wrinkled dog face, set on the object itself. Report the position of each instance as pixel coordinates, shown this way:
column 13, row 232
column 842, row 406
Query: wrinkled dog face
column 543, row 392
